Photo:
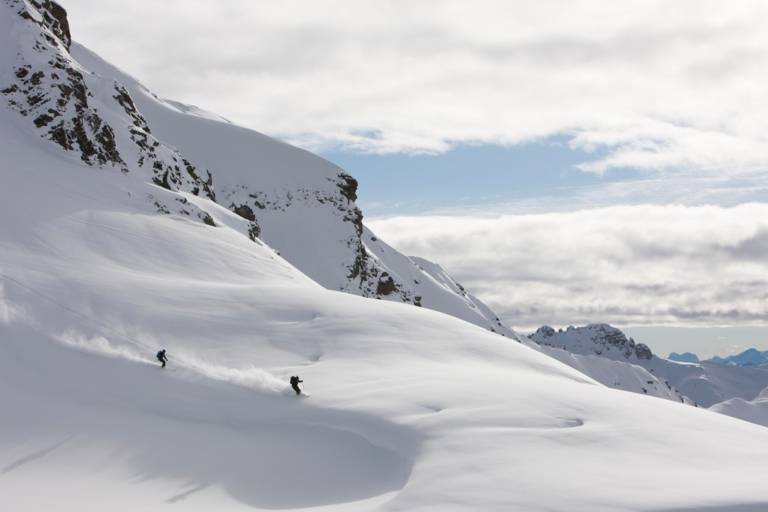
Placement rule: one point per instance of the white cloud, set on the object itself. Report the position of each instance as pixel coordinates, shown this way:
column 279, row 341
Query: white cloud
column 655, row 265
column 653, row 85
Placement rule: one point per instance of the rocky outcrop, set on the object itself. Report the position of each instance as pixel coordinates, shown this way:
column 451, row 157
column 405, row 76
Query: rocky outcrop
column 54, row 96
column 597, row 339
column 53, row 17
column 55, row 93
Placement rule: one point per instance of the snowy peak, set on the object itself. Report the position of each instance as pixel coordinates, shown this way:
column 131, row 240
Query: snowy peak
column 300, row 204
column 606, row 354
column 91, row 113
column 703, row 384
column 593, row 339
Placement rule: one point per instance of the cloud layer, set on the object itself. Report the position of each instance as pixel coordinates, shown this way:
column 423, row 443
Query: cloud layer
column 657, row 85
column 654, row 265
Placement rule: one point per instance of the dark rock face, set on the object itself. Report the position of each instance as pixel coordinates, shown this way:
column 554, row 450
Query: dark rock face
column 599, row 339
column 56, row 98
column 125, row 100
column 53, row 15
column 207, row 219
column 607, row 334
column 244, row 211
column 59, row 24
column 348, row 187
column 643, row 351
column 545, row 331
column 386, row 285
column 51, row 90
column 55, row 94
column 254, row 230
column 358, row 270
column 171, row 170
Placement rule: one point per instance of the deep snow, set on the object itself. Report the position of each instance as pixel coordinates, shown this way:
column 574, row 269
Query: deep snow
column 754, row 411
column 411, row 409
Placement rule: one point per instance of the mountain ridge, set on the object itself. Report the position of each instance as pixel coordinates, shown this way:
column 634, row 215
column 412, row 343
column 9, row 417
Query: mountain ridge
column 705, row 383
column 299, row 203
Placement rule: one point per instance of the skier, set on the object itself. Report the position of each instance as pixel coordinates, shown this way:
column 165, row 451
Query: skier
column 295, row 380
column 162, row 357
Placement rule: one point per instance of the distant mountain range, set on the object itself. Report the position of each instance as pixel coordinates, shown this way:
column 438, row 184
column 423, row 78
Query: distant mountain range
column 685, row 357
column 750, row 357
column 607, row 355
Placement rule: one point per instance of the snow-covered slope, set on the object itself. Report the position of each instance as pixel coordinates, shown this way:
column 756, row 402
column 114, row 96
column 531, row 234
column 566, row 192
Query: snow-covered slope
column 617, row 374
column 411, row 409
column 704, row 383
column 432, row 287
column 754, row 411
column 608, row 356
column 299, row 203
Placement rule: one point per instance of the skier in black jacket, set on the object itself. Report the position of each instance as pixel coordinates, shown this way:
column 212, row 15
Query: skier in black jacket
column 295, row 380
column 162, row 357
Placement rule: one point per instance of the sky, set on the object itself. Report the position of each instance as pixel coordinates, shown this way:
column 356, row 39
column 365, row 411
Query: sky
column 568, row 161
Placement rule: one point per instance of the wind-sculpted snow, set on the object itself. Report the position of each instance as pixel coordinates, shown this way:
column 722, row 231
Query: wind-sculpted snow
column 754, row 411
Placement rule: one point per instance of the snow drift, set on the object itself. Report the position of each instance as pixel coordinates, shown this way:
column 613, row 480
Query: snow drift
column 754, row 411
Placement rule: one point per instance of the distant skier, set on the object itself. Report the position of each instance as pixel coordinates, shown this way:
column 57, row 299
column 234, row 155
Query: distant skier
column 162, row 357
column 295, row 380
